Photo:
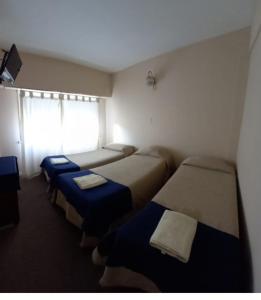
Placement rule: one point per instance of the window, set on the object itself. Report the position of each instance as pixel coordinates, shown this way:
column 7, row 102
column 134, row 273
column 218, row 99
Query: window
column 56, row 124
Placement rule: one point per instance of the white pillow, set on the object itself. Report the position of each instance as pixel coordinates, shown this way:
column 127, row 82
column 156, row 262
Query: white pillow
column 210, row 163
column 157, row 151
column 126, row 149
column 150, row 151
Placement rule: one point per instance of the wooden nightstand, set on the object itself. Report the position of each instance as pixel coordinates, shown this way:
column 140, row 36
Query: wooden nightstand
column 9, row 185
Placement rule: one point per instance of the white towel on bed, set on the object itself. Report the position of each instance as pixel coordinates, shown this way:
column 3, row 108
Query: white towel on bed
column 174, row 235
column 59, row 160
column 89, row 181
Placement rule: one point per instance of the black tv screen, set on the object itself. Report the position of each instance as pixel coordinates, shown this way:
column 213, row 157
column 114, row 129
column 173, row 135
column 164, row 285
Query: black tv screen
column 11, row 65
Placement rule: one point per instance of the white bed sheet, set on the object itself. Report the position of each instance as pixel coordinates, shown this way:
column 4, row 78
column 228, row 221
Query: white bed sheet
column 209, row 195
column 144, row 175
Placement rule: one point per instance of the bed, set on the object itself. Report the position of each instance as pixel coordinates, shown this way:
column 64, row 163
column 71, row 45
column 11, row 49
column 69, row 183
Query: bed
column 85, row 160
column 132, row 182
column 204, row 189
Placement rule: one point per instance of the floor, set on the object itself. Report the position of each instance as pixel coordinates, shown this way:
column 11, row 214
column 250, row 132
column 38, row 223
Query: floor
column 42, row 253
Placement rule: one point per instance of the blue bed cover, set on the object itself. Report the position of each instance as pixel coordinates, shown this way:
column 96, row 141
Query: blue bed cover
column 99, row 206
column 214, row 264
column 55, row 169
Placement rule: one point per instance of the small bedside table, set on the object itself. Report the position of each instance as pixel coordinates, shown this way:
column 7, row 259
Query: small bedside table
column 9, row 185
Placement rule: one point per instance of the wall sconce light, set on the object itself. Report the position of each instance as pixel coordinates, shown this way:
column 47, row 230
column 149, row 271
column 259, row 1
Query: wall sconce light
column 151, row 79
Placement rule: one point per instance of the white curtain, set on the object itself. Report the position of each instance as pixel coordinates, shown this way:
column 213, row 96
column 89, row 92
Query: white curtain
column 80, row 124
column 54, row 126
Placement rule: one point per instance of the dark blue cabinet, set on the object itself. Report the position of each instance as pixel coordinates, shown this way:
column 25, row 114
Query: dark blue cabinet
column 9, row 185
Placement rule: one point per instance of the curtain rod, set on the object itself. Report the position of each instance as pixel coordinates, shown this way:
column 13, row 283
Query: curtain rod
column 57, row 95
column 55, row 92
column 49, row 92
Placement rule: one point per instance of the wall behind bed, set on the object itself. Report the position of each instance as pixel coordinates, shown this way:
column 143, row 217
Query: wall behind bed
column 197, row 105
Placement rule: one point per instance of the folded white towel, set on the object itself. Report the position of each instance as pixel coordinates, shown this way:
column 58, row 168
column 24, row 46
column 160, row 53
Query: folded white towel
column 174, row 235
column 59, row 160
column 89, row 181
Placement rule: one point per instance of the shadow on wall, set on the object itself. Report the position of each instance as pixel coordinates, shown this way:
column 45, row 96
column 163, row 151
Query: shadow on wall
column 246, row 258
column 120, row 135
column 163, row 70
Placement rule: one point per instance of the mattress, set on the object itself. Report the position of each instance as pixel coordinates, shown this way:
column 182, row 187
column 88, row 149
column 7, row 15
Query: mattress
column 86, row 160
column 91, row 159
column 143, row 175
column 206, row 192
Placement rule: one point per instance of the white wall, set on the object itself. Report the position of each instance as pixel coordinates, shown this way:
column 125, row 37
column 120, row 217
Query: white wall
column 48, row 74
column 198, row 102
column 9, row 124
column 249, row 152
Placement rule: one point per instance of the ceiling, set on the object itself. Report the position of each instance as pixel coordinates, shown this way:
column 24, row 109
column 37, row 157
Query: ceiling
column 112, row 35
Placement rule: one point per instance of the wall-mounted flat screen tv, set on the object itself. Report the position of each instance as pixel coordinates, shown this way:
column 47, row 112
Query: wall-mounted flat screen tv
column 11, row 65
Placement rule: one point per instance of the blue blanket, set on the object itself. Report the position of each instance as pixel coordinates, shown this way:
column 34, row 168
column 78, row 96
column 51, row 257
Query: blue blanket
column 99, row 206
column 54, row 170
column 214, row 265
